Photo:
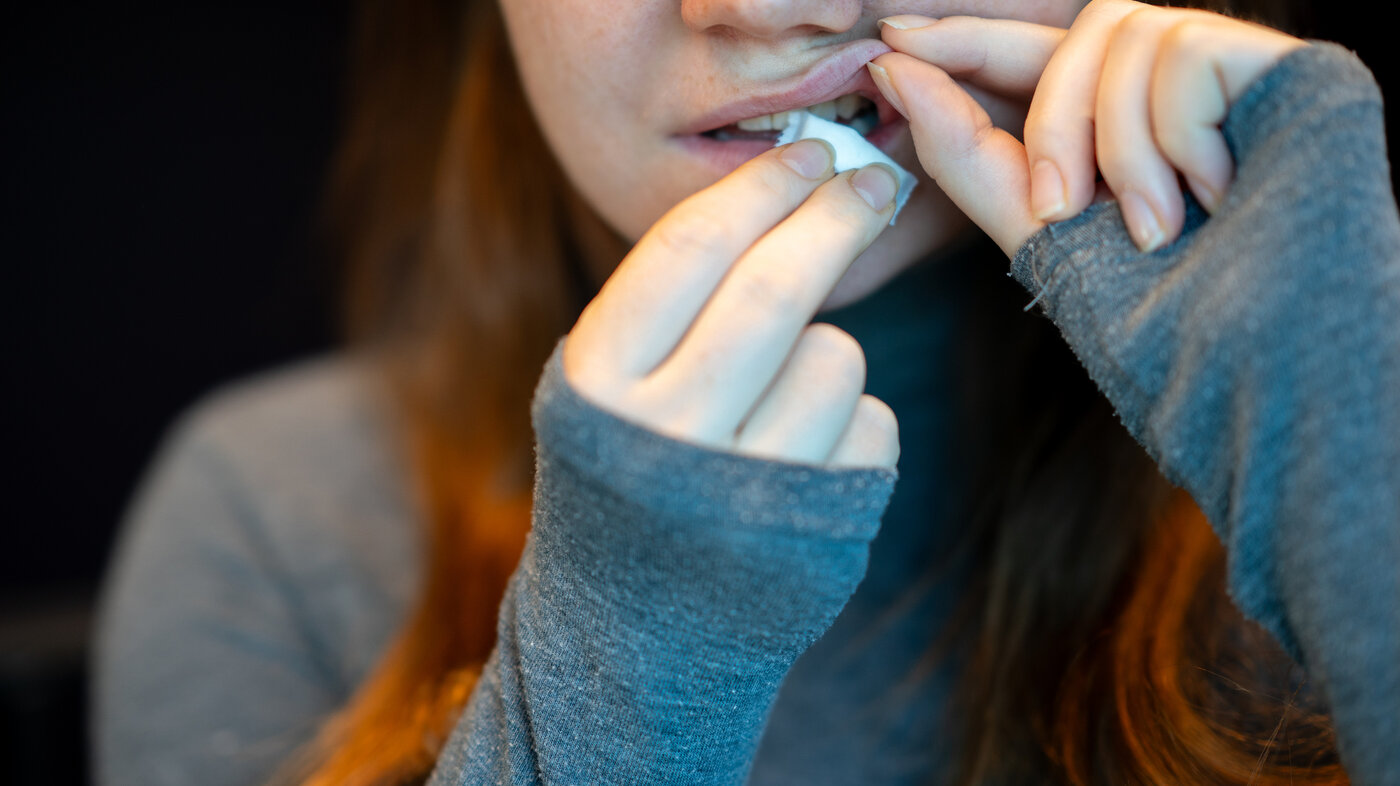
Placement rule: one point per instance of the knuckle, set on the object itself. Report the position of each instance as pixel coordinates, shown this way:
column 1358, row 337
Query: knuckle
column 1137, row 24
column 838, row 348
column 1098, row 9
column 767, row 292
column 983, row 135
column 873, row 436
column 1107, row 14
column 1114, row 162
column 1054, row 133
column 593, row 382
column 671, row 412
column 972, row 57
column 1038, row 121
column 1182, row 42
column 875, row 417
column 690, row 231
column 1175, row 142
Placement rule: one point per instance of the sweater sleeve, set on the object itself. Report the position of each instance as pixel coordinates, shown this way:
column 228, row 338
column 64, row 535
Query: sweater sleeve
column 204, row 670
column 664, row 592
column 1257, row 359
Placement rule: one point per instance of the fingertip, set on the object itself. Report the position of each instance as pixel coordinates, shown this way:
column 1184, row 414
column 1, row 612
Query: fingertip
column 1209, row 196
column 877, row 184
column 1056, row 130
column 1048, row 195
column 981, row 167
column 1150, row 223
column 885, row 84
column 911, row 85
column 1056, row 194
column 810, row 158
column 1173, row 216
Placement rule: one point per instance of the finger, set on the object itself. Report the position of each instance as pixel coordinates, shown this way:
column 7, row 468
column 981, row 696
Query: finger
column 804, row 413
column 1004, row 56
column 1144, row 182
column 1060, row 124
column 1187, row 109
column 871, row 439
column 982, row 168
column 649, row 302
column 742, row 338
column 1205, row 62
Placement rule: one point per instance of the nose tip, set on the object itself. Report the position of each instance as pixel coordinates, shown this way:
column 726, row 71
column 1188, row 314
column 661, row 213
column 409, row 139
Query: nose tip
column 771, row 18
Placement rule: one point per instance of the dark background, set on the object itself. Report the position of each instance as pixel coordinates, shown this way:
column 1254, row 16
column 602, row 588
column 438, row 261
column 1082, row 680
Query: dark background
column 162, row 167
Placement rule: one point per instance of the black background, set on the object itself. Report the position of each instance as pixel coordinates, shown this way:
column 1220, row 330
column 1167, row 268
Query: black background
column 162, row 168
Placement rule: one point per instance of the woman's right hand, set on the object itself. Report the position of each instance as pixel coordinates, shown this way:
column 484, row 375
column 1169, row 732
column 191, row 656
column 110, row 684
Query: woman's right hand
column 702, row 332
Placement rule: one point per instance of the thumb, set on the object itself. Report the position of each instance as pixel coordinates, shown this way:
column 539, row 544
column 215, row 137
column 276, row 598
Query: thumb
column 980, row 167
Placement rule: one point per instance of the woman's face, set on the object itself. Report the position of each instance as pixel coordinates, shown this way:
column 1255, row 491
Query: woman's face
column 630, row 94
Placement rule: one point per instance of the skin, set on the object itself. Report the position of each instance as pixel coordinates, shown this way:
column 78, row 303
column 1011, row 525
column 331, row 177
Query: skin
column 1133, row 92
column 702, row 332
column 611, row 80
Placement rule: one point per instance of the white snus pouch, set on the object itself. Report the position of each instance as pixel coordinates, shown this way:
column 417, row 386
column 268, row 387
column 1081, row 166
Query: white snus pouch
column 852, row 150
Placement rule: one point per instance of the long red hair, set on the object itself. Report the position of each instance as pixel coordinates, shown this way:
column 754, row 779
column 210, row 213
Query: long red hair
column 1103, row 648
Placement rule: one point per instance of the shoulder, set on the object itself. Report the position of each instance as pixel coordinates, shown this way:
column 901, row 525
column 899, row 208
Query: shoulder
column 288, row 483
column 264, row 563
column 297, row 439
column 290, row 414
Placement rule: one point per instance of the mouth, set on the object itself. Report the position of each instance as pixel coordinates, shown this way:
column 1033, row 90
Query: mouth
column 851, row 109
column 836, row 87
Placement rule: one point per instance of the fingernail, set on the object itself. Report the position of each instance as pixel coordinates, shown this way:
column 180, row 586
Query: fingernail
column 886, row 87
column 876, row 184
column 1141, row 220
column 1047, row 190
column 810, row 158
column 1206, row 195
column 907, row 21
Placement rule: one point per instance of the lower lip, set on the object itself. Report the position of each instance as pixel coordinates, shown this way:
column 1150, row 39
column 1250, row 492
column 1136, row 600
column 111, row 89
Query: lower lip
column 725, row 157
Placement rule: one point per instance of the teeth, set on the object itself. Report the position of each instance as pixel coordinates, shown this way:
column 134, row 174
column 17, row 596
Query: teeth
column 763, row 122
column 845, row 107
column 848, row 106
column 826, row 110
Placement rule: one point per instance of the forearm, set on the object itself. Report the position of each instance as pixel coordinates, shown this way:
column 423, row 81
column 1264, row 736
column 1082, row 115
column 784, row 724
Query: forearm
column 1258, row 360
column 663, row 595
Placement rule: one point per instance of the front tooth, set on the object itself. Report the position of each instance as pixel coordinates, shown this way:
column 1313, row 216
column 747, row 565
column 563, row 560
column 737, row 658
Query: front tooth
column 826, row 110
column 847, row 106
column 764, row 123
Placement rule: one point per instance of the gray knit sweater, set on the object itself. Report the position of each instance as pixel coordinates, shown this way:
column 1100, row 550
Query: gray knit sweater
column 685, row 615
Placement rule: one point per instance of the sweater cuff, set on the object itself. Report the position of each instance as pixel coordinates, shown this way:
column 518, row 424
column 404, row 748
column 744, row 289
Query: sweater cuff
column 1307, row 85
column 671, row 477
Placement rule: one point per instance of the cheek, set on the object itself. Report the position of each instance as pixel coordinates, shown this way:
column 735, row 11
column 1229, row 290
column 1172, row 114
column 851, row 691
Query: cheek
column 571, row 54
column 618, row 166
column 622, row 169
column 580, row 67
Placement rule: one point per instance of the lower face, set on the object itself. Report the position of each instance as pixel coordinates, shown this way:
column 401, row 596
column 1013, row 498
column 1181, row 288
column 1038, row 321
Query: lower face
column 626, row 93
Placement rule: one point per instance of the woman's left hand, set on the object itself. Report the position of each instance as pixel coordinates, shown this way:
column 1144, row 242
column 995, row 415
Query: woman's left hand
column 1132, row 91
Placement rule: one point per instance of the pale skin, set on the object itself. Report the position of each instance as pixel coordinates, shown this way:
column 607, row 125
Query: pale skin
column 702, row 332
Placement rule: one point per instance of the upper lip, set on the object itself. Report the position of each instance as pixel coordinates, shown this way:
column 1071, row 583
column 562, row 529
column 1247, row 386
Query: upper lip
column 836, row 75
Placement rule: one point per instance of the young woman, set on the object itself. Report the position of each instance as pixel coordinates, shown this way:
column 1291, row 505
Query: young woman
column 1178, row 567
